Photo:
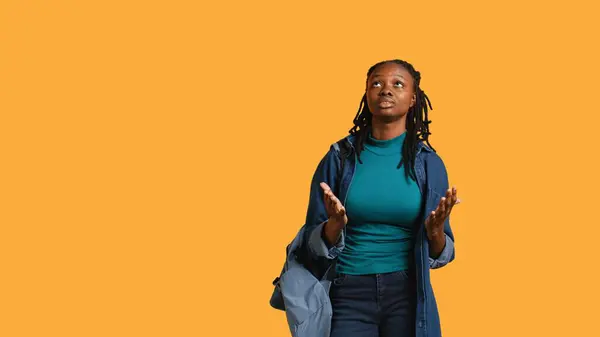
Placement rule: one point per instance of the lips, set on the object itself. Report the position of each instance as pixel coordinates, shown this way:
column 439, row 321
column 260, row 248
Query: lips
column 384, row 104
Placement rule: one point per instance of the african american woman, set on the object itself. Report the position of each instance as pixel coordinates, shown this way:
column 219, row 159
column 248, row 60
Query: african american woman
column 386, row 223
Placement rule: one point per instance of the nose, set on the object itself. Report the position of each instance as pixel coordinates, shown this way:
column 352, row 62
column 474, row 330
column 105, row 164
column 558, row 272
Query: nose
column 385, row 91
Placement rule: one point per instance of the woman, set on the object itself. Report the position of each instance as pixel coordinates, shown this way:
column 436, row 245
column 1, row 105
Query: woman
column 393, row 224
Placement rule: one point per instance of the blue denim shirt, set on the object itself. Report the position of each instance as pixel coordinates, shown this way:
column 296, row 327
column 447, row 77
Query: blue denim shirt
column 432, row 180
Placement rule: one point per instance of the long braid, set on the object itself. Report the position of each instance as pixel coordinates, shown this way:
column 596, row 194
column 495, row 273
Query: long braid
column 417, row 121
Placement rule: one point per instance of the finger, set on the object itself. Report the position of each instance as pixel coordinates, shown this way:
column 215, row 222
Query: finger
column 432, row 217
column 326, row 196
column 454, row 196
column 330, row 194
column 447, row 209
column 335, row 199
column 339, row 208
column 442, row 206
column 332, row 202
column 328, row 201
column 447, row 194
column 325, row 187
column 335, row 202
column 449, row 200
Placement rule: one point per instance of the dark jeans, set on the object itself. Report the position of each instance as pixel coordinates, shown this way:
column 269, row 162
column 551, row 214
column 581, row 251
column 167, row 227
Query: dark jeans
column 378, row 305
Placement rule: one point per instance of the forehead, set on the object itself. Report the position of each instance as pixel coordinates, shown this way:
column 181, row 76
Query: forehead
column 390, row 70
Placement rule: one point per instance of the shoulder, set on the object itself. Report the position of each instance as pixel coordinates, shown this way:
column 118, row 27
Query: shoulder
column 435, row 159
column 346, row 143
column 430, row 156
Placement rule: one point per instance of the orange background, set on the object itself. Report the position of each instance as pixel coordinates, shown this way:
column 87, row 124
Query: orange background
column 157, row 156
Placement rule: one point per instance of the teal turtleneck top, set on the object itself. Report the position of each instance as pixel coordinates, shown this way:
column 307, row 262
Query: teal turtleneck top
column 382, row 207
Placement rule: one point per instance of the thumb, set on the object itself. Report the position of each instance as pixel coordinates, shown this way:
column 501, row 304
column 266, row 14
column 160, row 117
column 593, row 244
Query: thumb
column 324, row 186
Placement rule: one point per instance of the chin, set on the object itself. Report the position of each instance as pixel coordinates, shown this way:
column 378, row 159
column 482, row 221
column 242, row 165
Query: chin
column 384, row 112
column 387, row 116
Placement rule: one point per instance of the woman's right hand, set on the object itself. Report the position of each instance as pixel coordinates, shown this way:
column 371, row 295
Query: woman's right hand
column 336, row 212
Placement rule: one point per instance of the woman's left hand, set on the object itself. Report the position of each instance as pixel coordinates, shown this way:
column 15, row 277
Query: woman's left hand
column 434, row 224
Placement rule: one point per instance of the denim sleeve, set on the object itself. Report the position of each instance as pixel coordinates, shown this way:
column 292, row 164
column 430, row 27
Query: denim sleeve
column 319, row 247
column 439, row 180
column 445, row 257
column 316, row 215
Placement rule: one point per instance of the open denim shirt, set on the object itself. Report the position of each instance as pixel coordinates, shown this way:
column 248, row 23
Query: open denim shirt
column 304, row 294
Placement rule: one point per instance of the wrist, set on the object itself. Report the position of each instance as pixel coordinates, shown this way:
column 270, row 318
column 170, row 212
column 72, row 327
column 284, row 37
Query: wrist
column 333, row 223
column 332, row 232
column 436, row 235
column 437, row 243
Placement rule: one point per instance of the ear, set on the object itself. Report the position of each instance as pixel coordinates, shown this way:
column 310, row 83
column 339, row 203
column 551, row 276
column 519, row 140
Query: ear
column 413, row 100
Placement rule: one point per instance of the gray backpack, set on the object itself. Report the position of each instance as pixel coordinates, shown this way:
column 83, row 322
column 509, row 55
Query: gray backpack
column 302, row 289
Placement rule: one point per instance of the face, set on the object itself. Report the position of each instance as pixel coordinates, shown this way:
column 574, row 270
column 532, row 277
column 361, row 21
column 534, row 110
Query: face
column 390, row 92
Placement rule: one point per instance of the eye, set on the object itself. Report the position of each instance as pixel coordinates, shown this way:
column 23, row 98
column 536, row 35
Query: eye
column 399, row 84
column 376, row 83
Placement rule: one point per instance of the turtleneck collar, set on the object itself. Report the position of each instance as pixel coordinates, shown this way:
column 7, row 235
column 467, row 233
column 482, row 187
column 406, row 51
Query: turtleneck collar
column 385, row 147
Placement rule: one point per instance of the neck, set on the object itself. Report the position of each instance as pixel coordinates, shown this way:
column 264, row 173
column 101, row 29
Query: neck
column 384, row 130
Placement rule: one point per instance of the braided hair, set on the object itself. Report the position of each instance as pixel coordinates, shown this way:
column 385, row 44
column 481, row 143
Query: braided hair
column 417, row 122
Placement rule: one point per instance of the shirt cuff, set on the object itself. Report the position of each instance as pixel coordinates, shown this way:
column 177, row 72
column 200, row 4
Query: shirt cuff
column 445, row 256
column 318, row 246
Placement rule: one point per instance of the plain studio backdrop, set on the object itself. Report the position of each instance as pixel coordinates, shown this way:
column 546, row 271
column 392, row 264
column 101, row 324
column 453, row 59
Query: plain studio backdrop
column 156, row 157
